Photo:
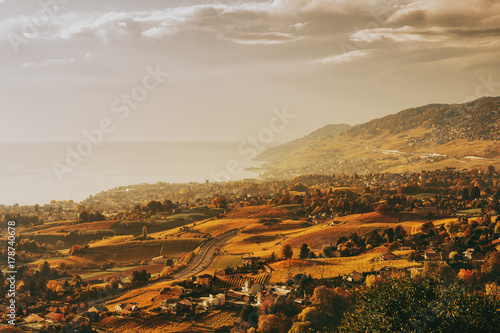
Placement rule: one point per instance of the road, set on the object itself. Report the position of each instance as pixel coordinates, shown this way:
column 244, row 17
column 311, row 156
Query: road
column 200, row 261
column 204, row 256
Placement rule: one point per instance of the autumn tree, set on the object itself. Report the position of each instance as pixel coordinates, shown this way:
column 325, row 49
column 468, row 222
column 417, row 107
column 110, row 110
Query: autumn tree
column 407, row 305
column 219, row 202
column 490, row 268
column 274, row 324
column 286, row 251
column 330, row 305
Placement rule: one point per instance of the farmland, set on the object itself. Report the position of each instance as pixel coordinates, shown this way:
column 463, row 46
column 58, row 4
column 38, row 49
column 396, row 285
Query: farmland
column 133, row 251
column 333, row 267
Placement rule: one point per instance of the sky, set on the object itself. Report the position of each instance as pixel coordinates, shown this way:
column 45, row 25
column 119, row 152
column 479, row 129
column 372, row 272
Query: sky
column 219, row 70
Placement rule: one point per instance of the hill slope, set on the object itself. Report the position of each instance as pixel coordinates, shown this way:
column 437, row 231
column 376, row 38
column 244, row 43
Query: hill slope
column 427, row 137
column 278, row 152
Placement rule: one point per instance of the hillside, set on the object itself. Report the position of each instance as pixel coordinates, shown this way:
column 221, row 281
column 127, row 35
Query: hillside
column 278, row 152
column 423, row 138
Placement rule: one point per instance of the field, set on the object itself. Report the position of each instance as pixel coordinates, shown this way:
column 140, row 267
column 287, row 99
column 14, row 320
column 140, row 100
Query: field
column 99, row 225
column 224, row 261
column 133, row 251
column 334, row 267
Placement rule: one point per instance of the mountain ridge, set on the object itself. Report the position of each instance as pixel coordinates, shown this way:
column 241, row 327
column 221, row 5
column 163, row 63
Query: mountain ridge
column 425, row 137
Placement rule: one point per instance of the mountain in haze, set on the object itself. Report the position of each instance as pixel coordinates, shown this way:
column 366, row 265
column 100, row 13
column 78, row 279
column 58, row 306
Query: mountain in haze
column 428, row 137
column 278, row 152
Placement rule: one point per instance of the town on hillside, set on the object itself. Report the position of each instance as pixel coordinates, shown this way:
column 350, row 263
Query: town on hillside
column 316, row 253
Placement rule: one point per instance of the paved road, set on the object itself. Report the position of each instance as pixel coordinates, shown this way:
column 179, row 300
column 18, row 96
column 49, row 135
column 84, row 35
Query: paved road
column 200, row 261
column 204, row 256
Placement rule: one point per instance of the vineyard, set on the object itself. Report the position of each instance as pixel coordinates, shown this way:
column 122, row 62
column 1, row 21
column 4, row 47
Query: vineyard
column 220, row 319
column 145, row 323
column 238, row 283
column 140, row 250
column 334, row 267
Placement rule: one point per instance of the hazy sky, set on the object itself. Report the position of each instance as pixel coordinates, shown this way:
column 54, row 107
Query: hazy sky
column 231, row 62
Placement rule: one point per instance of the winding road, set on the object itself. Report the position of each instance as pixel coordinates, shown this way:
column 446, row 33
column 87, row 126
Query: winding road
column 204, row 256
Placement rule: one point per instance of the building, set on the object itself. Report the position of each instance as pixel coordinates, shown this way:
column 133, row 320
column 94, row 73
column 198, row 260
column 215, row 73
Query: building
column 388, row 256
column 204, row 280
column 355, row 276
column 228, row 273
column 388, row 271
column 252, row 288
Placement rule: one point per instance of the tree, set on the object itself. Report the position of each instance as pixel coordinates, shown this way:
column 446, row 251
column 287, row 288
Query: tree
column 407, row 305
column 248, row 313
column 304, row 251
column 44, row 269
column 286, row 251
column 314, row 317
column 219, row 202
column 439, row 270
column 491, row 267
column 382, row 209
column 399, row 232
column 475, row 193
column 274, row 324
column 84, row 216
column 389, row 235
column 301, row 327
column 333, row 303
column 465, row 195
column 54, row 286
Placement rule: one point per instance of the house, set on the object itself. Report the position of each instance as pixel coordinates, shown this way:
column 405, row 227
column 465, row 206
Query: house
column 33, row 318
column 228, row 273
column 252, row 288
column 431, row 254
column 469, row 254
column 79, row 322
column 55, row 317
column 204, row 280
column 281, row 289
column 127, row 307
column 388, row 271
column 264, row 296
column 98, row 309
column 212, row 301
column 355, row 276
column 250, row 261
column 388, row 255
column 159, row 260
column 171, row 305
column 415, row 271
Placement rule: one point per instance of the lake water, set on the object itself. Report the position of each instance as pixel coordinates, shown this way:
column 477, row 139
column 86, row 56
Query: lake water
column 27, row 173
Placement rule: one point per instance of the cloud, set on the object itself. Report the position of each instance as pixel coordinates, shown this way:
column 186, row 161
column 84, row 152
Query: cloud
column 343, row 58
column 260, row 38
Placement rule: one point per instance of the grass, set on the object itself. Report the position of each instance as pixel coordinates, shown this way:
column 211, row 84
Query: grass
column 224, row 261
